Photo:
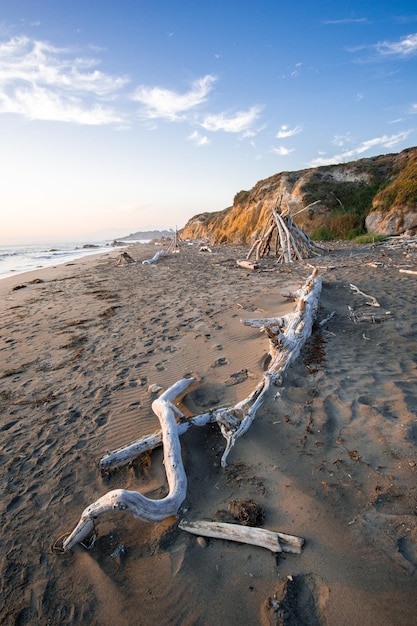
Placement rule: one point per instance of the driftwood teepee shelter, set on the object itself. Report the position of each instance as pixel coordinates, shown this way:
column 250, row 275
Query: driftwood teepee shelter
column 283, row 238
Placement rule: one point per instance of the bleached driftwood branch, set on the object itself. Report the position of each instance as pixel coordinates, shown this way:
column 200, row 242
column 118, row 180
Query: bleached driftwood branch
column 408, row 272
column 373, row 301
column 291, row 243
column 154, row 259
column 126, row 454
column 134, row 502
column 271, row 540
column 247, row 265
column 286, row 335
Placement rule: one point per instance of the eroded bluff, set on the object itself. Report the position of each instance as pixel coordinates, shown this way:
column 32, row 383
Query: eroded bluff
column 377, row 194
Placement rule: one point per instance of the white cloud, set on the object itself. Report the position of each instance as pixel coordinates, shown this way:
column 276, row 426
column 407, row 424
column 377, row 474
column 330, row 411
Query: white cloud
column 38, row 103
column 341, row 140
column 198, row 139
column 282, row 151
column 170, row 105
column 41, row 81
column 240, row 122
column 286, row 131
column 406, row 46
column 387, row 141
column 347, row 20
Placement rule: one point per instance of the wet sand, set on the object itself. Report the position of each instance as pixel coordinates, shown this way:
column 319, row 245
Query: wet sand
column 331, row 458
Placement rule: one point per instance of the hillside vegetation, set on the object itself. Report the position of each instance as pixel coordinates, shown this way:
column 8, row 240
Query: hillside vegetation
column 377, row 195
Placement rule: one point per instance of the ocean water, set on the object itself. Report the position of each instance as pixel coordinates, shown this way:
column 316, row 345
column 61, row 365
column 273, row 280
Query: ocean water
column 24, row 258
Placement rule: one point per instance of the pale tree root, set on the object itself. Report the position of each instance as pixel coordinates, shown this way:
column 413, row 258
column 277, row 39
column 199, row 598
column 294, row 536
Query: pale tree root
column 133, row 502
column 286, row 336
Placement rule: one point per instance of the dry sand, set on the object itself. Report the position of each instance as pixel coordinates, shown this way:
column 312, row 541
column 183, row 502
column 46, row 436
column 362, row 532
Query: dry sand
column 331, row 459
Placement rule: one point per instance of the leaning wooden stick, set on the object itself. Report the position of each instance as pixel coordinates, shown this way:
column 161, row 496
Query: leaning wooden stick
column 276, row 542
column 133, row 502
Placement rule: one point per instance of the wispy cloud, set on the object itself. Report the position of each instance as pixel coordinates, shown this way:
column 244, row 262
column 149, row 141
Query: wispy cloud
column 198, row 139
column 347, row 20
column 286, row 131
column 386, row 141
column 342, row 140
column 171, row 105
column 41, row 81
column 240, row 122
column 406, row 46
column 282, row 151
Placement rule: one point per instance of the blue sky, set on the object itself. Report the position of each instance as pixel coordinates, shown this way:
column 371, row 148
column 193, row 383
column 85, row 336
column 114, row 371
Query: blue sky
column 124, row 115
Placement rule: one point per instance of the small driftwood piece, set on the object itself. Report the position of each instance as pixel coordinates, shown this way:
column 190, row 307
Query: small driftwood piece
column 274, row 541
column 154, row 259
column 247, row 265
column 373, row 301
column 134, row 502
column 408, row 272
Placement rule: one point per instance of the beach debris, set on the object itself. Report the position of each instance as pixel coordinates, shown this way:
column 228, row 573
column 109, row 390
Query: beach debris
column 204, row 249
column 248, row 265
column 373, row 301
column 154, row 388
column 154, row 259
column 288, row 241
column 286, row 336
column 408, row 272
column 271, row 540
column 119, row 551
column 284, row 346
column 176, row 243
column 202, row 542
column 124, row 259
column 248, row 512
column 134, row 502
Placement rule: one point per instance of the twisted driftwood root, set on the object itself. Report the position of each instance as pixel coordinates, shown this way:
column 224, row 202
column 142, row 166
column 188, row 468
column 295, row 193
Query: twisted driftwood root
column 286, row 336
column 133, row 502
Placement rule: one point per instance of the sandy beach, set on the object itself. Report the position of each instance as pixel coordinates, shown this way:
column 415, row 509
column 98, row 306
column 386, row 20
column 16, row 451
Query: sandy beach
column 331, row 456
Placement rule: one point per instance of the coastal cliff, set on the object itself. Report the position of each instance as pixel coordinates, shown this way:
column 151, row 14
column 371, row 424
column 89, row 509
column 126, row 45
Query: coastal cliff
column 377, row 194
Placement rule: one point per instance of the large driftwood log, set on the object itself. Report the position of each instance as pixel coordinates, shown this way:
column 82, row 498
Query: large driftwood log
column 271, row 540
column 133, row 502
column 286, row 335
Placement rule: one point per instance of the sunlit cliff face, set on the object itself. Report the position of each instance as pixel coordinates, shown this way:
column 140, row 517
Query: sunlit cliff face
column 381, row 190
